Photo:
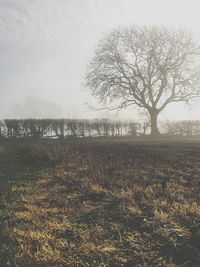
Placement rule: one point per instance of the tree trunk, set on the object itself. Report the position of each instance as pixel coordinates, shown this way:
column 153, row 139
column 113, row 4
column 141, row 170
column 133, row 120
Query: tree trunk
column 154, row 124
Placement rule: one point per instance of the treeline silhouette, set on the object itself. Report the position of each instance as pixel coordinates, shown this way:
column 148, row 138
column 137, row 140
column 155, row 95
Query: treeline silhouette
column 63, row 128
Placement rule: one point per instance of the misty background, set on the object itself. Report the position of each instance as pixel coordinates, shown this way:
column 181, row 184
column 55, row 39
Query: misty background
column 45, row 46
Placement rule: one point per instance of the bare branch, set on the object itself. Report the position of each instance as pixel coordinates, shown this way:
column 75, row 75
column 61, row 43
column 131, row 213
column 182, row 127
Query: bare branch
column 150, row 67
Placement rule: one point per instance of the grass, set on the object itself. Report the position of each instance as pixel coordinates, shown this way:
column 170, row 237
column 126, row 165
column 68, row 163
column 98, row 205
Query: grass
column 99, row 203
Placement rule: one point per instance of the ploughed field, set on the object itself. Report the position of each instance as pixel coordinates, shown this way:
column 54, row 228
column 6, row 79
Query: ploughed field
column 99, row 203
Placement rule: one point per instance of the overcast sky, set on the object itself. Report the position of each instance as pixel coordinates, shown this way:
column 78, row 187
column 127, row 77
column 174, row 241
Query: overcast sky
column 45, row 46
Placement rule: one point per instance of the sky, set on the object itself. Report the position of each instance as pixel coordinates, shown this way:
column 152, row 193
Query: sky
column 46, row 45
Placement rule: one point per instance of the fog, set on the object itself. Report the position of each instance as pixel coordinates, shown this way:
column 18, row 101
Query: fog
column 45, row 47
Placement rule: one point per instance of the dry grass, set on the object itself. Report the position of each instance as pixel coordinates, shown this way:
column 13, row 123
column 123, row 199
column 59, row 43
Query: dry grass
column 105, row 205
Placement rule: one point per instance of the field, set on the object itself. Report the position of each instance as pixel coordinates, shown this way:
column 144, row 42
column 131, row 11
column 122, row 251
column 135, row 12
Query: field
column 103, row 203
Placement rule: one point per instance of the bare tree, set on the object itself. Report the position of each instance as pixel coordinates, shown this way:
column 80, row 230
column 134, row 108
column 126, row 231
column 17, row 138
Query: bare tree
column 150, row 67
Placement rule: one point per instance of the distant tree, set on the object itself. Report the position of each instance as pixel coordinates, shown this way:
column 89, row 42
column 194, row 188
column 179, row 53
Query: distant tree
column 2, row 128
column 97, row 126
column 150, row 67
column 82, row 127
column 13, row 128
column 72, row 126
column 58, row 126
column 134, row 128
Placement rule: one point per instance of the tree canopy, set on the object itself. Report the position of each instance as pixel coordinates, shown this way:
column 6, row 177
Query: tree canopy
column 150, row 67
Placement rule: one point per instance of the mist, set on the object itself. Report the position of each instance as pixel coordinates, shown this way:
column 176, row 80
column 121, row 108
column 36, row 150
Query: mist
column 46, row 46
